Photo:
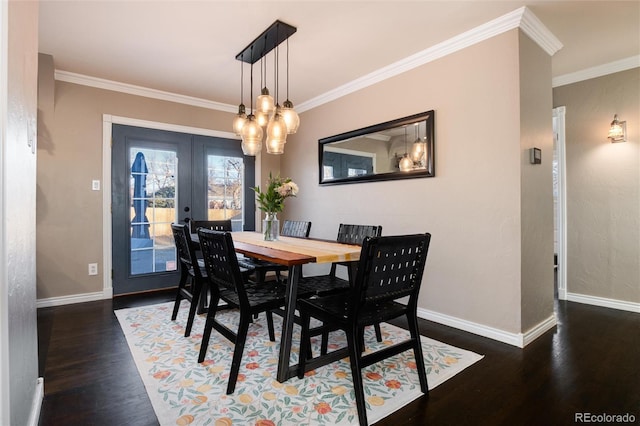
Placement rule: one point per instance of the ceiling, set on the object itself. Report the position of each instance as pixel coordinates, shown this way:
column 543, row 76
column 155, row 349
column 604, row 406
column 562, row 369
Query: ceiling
column 189, row 47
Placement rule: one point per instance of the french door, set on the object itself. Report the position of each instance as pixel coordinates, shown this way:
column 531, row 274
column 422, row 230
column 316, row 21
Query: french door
column 161, row 177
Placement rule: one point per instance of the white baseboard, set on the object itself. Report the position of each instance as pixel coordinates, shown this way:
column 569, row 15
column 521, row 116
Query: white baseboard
column 36, row 405
column 515, row 339
column 74, row 298
column 604, row 302
column 538, row 330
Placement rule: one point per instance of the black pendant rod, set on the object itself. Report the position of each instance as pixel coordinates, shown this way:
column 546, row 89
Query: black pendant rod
column 266, row 42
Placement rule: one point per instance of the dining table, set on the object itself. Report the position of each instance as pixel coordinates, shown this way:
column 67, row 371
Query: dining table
column 292, row 252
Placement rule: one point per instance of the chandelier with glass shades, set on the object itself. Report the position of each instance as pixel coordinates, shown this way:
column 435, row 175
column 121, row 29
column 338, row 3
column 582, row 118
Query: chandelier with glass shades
column 268, row 118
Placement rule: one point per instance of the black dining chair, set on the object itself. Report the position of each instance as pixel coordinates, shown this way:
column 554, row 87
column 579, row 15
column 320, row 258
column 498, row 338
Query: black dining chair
column 323, row 285
column 192, row 275
column 227, row 283
column 215, row 225
column 389, row 268
column 290, row 228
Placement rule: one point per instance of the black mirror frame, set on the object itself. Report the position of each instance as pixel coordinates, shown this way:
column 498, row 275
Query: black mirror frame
column 428, row 171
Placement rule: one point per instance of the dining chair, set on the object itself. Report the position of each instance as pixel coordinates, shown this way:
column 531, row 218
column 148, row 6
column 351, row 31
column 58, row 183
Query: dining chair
column 290, row 228
column 227, row 283
column 389, row 268
column 192, row 275
column 215, row 225
column 323, row 285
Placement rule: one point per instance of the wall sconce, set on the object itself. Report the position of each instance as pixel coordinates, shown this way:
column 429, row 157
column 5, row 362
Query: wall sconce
column 618, row 130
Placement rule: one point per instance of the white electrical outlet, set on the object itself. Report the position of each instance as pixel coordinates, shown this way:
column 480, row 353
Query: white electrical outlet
column 95, row 185
column 93, row 269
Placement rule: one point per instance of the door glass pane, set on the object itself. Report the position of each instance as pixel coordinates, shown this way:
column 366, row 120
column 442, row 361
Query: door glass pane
column 152, row 191
column 225, row 189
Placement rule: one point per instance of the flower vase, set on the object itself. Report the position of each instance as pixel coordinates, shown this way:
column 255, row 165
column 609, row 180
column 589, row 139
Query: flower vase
column 271, row 227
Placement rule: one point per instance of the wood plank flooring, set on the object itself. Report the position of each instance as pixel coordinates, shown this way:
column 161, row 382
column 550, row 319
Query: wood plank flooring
column 588, row 364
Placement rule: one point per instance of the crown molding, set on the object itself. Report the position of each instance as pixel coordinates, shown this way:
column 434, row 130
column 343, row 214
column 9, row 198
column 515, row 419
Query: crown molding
column 597, row 71
column 146, row 92
column 520, row 18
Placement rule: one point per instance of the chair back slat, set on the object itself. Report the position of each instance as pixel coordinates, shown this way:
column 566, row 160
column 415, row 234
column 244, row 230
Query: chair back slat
column 186, row 255
column 295, row 228
column 391, row 267
column 214, row 225
column 355, row 234
column 221, row 262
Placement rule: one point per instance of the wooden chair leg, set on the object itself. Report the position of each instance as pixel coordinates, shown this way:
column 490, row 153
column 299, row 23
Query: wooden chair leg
column 241, row 338
column 202, row 303
column 305, row 343
column 376, row 326
column 272, row 334
column 417, row 353
column 208, row 326
column 195, row 298
column 324, row 346
column 181, row 284
column 355, row 349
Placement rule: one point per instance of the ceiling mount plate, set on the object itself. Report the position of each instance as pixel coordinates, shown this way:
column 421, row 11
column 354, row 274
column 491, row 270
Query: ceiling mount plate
column 266, row 42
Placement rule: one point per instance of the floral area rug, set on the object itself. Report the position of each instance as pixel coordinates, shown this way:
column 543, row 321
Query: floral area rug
column 184, row 392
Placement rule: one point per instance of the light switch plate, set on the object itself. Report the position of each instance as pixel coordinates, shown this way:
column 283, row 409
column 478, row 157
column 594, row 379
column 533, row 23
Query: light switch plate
column 95, row 185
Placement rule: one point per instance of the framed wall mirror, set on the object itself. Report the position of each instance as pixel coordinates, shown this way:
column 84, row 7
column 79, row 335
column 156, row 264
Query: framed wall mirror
column 397, row 149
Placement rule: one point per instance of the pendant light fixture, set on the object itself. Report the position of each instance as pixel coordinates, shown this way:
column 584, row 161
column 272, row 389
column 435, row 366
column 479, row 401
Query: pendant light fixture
column 265, row 104
column 288, row 113
column 405, row 163
column 267, row 111
column 241, row 118
column 251, row 132
column 419, row 146
column 276, row 128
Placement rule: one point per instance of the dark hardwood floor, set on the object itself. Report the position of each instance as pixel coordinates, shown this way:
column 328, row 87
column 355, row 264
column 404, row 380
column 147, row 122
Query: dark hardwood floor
column 590, row 363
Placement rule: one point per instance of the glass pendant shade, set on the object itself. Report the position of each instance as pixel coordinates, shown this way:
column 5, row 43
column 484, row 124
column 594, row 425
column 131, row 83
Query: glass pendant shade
column 251, row 137
column 418, row 150
column 290, row 117
column 262, row 119
column 406, row 164
column 239, row 120
column 276, row 134
column 265, row 103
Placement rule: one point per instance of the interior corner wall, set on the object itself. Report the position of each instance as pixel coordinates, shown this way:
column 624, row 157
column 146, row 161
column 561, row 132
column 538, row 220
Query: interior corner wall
column 69, row 214
column 603, row 187
column 536, row 201
column 472, row 205
column 19, row 345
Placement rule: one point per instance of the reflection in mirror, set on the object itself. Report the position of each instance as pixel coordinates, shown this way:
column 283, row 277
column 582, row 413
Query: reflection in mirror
column 397, row 149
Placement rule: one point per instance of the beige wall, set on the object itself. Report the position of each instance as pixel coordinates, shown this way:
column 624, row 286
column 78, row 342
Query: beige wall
column 603, row 187
column 20, row 394
column 69, row 213
column 536, row 198
column 473, row 205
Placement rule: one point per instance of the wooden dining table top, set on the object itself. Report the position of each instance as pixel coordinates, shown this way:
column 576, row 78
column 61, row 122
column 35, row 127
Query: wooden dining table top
column 293, row 251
